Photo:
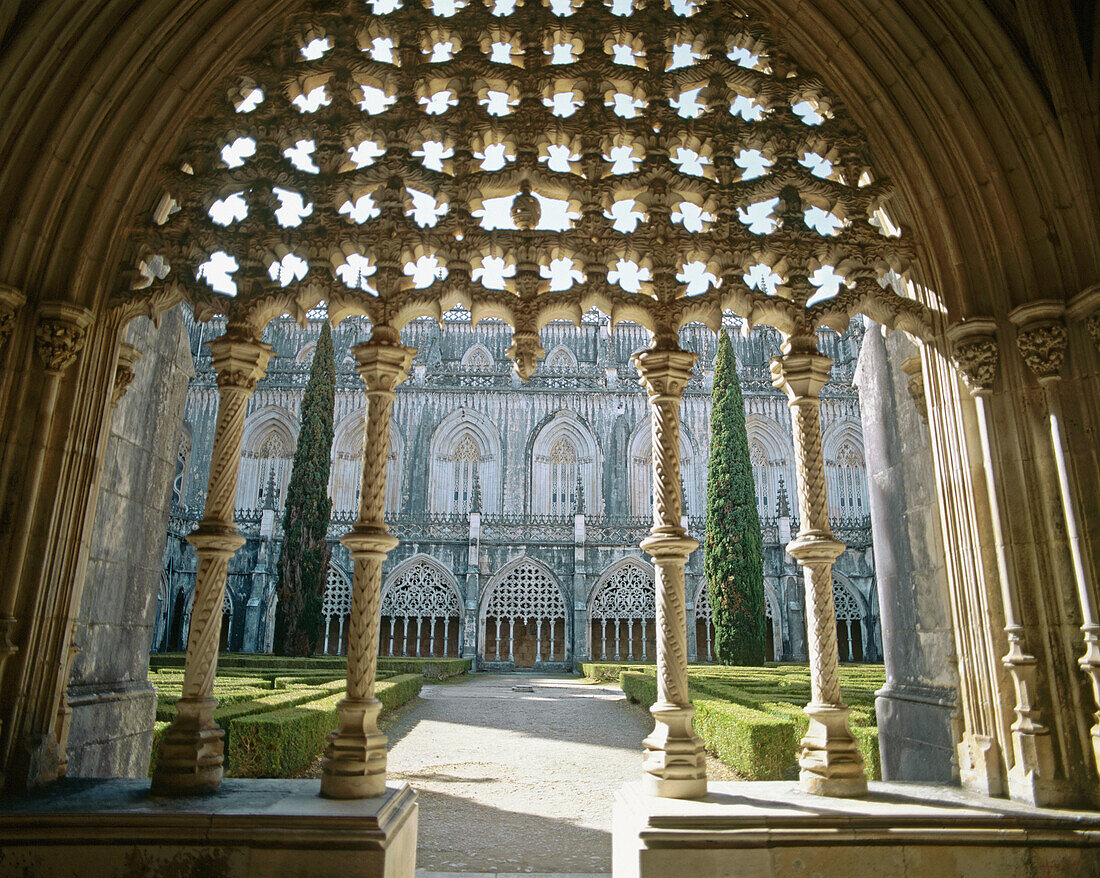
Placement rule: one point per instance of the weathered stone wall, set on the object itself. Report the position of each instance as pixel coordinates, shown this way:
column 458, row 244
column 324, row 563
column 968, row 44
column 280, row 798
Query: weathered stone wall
column 916, row 707
column 113, row 705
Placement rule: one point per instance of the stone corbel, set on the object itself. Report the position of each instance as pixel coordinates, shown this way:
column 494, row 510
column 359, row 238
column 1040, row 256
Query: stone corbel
column 128, row 357
column 59, row 335
column 974, row 353
column 911, row 366
column 11, row 300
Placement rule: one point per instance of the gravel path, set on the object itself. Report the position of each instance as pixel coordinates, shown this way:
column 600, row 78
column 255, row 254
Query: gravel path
column 517, row 781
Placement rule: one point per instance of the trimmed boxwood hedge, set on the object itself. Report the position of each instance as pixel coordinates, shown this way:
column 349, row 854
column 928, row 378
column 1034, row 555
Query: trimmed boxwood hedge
column 230, row 664
column 284, row 742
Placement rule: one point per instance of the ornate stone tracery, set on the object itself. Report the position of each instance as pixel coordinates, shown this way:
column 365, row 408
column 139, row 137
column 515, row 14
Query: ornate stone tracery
column 662, row 164
column 526, row 597
column 415, row 605
column 622, row 614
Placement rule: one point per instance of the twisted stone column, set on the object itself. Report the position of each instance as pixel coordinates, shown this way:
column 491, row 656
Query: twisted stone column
column 675, row 762
column 354, row 765
column 1042, row 342
column 190, row 758
column 830, row 761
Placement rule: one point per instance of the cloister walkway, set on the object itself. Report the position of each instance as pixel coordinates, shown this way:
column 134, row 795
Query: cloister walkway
column 513, row 781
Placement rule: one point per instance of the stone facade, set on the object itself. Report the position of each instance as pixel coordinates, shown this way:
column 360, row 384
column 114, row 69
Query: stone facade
column 519, row 504
column 112, row 704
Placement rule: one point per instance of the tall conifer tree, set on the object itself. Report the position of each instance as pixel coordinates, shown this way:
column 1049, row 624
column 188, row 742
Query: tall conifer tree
column 733, row 560
column 305, row 555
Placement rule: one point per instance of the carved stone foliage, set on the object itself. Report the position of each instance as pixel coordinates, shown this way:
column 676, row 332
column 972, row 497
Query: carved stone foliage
column 58, row 342
column 421, row 592
column 1043, row 349
column 11, row 300
column 976, row 359
column 526, row 592
column 627, row 594
column 662, row 162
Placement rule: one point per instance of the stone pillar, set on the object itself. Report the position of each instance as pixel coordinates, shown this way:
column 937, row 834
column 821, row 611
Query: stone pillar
column 190, row 758
column 675, row 764
column 354, row 765
column 1042, row 341
column 830, row 761
column 1031, row 778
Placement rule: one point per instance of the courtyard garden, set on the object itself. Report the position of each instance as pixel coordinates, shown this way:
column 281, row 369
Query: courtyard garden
column 277, row 711
column 751, row 717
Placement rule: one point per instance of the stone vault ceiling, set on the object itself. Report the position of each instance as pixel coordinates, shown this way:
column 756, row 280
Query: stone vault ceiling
column 530, row 161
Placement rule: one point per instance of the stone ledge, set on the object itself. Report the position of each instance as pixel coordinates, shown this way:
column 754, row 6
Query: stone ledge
column 773, row 829
column 250, row 827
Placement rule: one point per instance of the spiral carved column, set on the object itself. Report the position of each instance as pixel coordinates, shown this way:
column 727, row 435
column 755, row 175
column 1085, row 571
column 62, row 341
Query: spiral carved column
column 190, row 758
column 354, row 765
column 675, row 762
column 830, row 762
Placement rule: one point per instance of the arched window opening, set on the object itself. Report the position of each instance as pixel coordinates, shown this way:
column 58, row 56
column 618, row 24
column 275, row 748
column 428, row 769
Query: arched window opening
column 420, row 615
column 467, row 458
column 335, row 608
column 849, row 624
column 477, row 358
column 847, row 478
column 525, row 619
column 183, row 456
column 704, row 625
column 622, row 619
column 761, row 475
column 560, row 360
column 227, row 622
column 274, row 459
column 563, row 477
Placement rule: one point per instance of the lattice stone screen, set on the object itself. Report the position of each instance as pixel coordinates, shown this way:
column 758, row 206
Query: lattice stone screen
column 849, row 623
column 624, row 609
column 524, row 605
column 420, row 612
column 335, row 607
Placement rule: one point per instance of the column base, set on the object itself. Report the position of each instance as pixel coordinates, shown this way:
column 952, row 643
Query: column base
column 675, row 759
column 830, row 761
column 354, row 765
column 189, row 761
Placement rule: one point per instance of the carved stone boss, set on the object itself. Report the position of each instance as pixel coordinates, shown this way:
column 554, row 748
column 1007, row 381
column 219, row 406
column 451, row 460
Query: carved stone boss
column 190, row 757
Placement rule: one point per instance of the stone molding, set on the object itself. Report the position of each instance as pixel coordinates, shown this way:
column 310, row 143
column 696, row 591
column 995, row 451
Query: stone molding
column 11, row 300
column 974, row 352
column 1086, row 306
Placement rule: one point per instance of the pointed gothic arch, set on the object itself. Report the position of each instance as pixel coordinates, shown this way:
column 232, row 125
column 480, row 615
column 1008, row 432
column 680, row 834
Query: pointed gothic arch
column 562, row 449
column 464, row 445
column 346, row 474
column 267, row 450
column 523, row 620
column 640, row 470
column 335, row 608
column 622, row 613
column 845, row 471
column 421, row 610
column 772, row 455
column 560, row 359
column 852, row 620
column 478, row 356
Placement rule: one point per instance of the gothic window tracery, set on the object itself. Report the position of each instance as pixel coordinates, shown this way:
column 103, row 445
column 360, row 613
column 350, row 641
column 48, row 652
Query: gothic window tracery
column 467, row 458
column 183, row 457
column 563, row 477
column 420, row 613
column 623, row 614
column 761, row 474
column 335, row 607
column 849, row 623
column 274, row 465
column 525, row 618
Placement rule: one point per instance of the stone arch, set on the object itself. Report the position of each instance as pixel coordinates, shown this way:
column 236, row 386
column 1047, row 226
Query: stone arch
column 560, row 359
column 183, row 462
column 523, row 619
column 421, row 610
column 304, row 357
column 640, row 468
column 774, row 623
column 622, row 613
column 852, row 620
column 478, row 356
column 227, row 621
column 335, row 608
column 448, row 474
column 552, row 475
column 346, row 475
column 771, row 453
column 845, row 471
column 267, row 448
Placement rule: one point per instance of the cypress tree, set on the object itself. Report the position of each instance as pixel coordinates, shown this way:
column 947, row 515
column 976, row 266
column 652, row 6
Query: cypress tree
column 733, row 559
column 305, row 554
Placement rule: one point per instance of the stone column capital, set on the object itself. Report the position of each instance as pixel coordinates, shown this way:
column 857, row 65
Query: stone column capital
column 383, row 362
column 1042, row 337
column 801, row 375
column 11, row 300
column 240, row 359
column 59, row 335
column 664, row 372
column 974, row 352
